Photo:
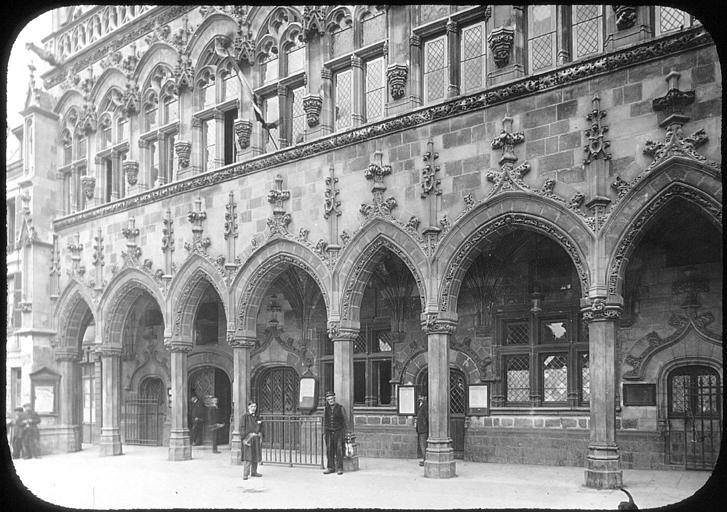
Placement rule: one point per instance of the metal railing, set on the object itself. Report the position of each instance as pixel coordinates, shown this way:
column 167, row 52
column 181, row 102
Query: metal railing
column 143, row 422
column 292, row 440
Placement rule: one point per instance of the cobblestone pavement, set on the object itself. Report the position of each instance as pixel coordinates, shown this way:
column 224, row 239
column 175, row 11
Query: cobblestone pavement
column 144, row 478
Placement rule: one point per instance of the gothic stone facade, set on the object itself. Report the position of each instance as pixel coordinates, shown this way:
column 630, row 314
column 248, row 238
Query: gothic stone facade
column 436, row 200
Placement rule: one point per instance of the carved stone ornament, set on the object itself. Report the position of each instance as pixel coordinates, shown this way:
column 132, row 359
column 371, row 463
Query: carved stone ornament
column 278, row 223
column 196, row 217
column 381, row 206
column 183, row 149
column 596, row 147
column 230, row 228
column 331, row 204
column 131, row 98
column 168, row 232
column 312, row 104
column 600, row 310
column 508, row 176
column 501, row 40
column 133, row 251
column 625, row 16
column 88, row 183
column 131, row 170
column 432, row 324
column 396, row 75
column 314, row 21
column 430, row 183
column 688, row 39
column 243, row 129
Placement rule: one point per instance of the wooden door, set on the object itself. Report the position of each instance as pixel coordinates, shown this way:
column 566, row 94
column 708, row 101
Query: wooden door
column 457, row 406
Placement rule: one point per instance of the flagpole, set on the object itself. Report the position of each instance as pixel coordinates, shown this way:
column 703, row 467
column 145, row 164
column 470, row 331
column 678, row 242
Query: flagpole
column 243, row 83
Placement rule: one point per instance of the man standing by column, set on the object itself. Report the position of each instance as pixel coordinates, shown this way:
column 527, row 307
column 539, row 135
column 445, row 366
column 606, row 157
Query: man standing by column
column 197, row 415
column 250, row 426
column 213, row 422
column 334, row 422
column 422, row 426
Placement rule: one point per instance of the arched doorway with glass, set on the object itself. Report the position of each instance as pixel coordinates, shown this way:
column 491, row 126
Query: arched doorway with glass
column 457, row 405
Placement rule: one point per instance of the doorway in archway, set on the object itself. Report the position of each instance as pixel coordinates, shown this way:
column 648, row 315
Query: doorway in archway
column 457, row 406
column 206, row 382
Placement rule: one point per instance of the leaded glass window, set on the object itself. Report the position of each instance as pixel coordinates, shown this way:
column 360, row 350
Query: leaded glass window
column 296, row 59
column 342, row 41
column 436, row 69
column 269, row 68
column 472, row 47
column 517, row 333
column 210, row 130
column 298, row 124
column 694, row 391
column 669, row 19
column 375, row 89
column 430, row 12
column 587, row 30
column 271, row 114
column 150, row 116
column 67, row 147
column 554, row 331
column 373, row 28
column 106, row 134
column 231, row 86
column 208, row 93
column 171, row 109
column 555, row 377
column 517, row 377
column 585, row 377
column 344, row 99
column 541, row 37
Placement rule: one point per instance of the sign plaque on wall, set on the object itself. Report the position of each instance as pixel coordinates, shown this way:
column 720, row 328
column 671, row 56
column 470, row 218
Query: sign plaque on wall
column 639, row 394
column 479, row 399
column 406, row 400
column 44, row 399
column 307, row 398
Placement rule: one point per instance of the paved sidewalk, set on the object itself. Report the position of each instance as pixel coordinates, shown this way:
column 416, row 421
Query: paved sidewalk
column 144, row 478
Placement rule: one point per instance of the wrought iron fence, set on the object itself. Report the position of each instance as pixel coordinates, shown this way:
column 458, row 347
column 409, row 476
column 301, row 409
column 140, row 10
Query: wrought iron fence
column 143, row 421
column 292, row 440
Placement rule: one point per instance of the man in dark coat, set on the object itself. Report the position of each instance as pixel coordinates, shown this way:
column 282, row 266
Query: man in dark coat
column 250, row 426
column 197, row 416
column 422, row 426
column 31, row 437
column 334, row 423
column 212, row 422
column 15, row 425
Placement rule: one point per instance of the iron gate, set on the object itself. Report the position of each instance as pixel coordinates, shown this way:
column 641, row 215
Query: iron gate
column 292, row 440
column 695, row 425
column 143, row 421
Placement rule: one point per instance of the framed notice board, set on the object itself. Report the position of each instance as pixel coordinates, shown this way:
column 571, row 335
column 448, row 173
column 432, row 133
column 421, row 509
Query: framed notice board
column 406, row 401
column 639, row 394
column 479, row 400
column 308, row 393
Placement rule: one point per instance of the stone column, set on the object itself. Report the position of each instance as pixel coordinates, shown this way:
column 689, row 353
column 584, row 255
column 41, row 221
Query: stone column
column 343, row 383
column 110, row 443
column 241, row 348
column 453, row 57
column 416, row 86
column 603, row 460
column 439, row 461
column 180, row 447
column 357, row 100
column 219, row 120
column 69, row 430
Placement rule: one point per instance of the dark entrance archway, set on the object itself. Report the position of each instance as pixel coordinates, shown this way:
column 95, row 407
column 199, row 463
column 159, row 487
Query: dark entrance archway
column 457, row 406
column 277, row 391
column 206, row 382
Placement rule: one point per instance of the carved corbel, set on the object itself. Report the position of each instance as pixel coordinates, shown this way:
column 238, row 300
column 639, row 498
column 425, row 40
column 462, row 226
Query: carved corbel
column 501, row 40
column 396, row 76
column 312, row 105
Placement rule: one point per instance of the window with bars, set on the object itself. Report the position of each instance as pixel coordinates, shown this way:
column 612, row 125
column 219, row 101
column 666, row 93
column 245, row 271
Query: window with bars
column 694, row 391
column 375, row 89
column 554, row 369
column 473, row 44
column 298, row 115
column 584, row 383
column 517, row 379
column 541, row 37
column 436, row 69
column 344, row 99
column 586, row 30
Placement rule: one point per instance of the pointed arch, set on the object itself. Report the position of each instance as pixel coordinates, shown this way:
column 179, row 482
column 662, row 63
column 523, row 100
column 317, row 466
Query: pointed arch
column 459, row 360
column 121, row 293
column 216, row 24
column 74, row 307
column 682, row 180
column 186, row 292
column 360, row 255
column 111, row 78
column 263, row 266
column 506, row 212
column 158, row 52
column 70, row 98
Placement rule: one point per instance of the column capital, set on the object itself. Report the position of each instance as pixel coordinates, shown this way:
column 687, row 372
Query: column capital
column 432, row 323
column 597, row 310
column 178, row 346
column 238, row 341
column 356, row 61
column 109, row 350
column 67, row 354
column 338, row 333
column 415, row 40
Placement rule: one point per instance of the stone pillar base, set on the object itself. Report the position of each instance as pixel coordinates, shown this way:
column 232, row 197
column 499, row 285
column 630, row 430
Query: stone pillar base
column 110, row 442
column 235, row 449
column 439, row 462
column 68, row 438
column 602, row 468
column 180, row 446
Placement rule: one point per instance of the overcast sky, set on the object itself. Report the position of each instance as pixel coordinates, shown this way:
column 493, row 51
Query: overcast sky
column 18, row 75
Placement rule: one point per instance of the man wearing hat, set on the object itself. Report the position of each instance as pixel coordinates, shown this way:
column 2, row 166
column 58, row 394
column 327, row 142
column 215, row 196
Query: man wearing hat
column 422, row 426
column 334, row 421
column 250, row 427
column 31, row 437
